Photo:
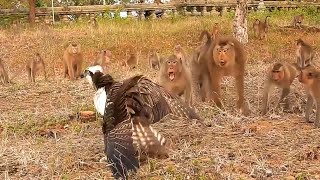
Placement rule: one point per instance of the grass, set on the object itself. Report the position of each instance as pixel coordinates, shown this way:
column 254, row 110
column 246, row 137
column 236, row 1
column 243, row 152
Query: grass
column 39, row 141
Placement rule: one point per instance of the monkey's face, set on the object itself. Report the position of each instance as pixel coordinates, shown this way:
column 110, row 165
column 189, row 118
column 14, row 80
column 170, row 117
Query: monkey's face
column 306, row 77
column 90, row 72
column 74, row 48
column 277, row 75
column 177, row 48
column 224, row 55
column 173, row 68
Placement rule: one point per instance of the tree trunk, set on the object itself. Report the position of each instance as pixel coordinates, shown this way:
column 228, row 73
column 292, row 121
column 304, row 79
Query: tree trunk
column 32, row 11
column 240, row 28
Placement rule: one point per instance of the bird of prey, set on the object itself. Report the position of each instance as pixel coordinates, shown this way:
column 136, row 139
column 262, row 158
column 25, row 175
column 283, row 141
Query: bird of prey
column 128, row 108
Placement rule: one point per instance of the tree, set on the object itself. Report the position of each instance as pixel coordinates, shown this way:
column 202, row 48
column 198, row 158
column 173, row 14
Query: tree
column 32, row 11
column 240, row 28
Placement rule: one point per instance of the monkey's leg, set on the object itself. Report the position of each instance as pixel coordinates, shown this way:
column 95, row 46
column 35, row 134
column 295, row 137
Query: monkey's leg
column 216, row 91
column 188, row 94
column 65, row 70
column 29, row 73
column 79, row 65
column 241, row 105
column 265, row 98
column 70, row 71
column 33, row 72
column 5, row 78
column 45, row 73
column 2, row 79
column 309, row 107
column 317, row 120
column 284, row 94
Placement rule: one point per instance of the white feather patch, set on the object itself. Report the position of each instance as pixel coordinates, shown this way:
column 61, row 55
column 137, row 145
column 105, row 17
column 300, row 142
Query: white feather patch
column 99, row 100
column 95, row 69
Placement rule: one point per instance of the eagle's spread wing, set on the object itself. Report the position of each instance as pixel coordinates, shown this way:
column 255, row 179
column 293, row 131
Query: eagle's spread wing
column 126, row 139
column 127, row 132
column 120, row 150
column 154, row 102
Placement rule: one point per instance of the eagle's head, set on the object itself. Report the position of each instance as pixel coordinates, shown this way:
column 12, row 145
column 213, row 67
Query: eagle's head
column 95, row 76
column 92, row 73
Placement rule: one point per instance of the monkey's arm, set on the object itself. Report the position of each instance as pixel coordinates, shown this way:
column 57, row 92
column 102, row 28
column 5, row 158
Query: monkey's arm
column 317, row 120
column 309, row 107
column 265, row 98
column 284, row 94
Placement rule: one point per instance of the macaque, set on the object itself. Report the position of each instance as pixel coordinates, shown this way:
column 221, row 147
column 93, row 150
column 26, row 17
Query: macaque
column 201, row 82
column 226, row 57
column 260, row 28
column 35, row 65
column 3, row 73
column 103, row 59
column 154, row 60
column 310, row 78
column 94, row 22
column 175, row 78
column 180, row 53
column 132, row 61
column 72, row 61
column 297, row 21
column 215, row 31
column 304, row 54
column 279, row 75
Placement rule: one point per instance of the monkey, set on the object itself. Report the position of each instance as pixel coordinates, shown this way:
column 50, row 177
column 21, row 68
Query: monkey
column 304, row 54
column 158, row 2
column 154, row 60
column 279, row 75
column 215, row 31
column 226, row 57
column 175, row 78
column 260, row 28
column 310, row 78
column 180, row 53
column 93, row 22
column 297, row 21
column 132, row 61
column 201, row 83
column 3, row 73
column 34, row 65
column 72, row 61
column 103, row 59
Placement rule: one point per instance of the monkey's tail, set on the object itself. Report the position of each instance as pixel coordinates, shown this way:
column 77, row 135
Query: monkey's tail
column 205, row 33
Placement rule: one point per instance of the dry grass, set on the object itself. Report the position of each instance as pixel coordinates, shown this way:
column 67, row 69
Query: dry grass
column 40, row 141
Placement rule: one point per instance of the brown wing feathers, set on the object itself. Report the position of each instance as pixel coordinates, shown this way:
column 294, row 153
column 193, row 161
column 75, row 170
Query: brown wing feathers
column 132, row 105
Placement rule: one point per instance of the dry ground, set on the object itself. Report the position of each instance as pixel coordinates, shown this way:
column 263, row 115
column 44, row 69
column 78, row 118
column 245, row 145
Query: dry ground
column 39, row 140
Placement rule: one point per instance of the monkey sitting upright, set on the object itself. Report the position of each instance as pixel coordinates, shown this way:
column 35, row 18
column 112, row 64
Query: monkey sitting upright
column 297, row 21
column 103, row 59
column 72, row 61
column 175, row 78
column 280, row 75
column 304, row 54
column 132, row 61
column 154, row 60
column 34, row 65
column 261, row 28
column 310, row 78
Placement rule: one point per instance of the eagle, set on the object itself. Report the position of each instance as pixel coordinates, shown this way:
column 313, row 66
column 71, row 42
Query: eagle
column 128, row 108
